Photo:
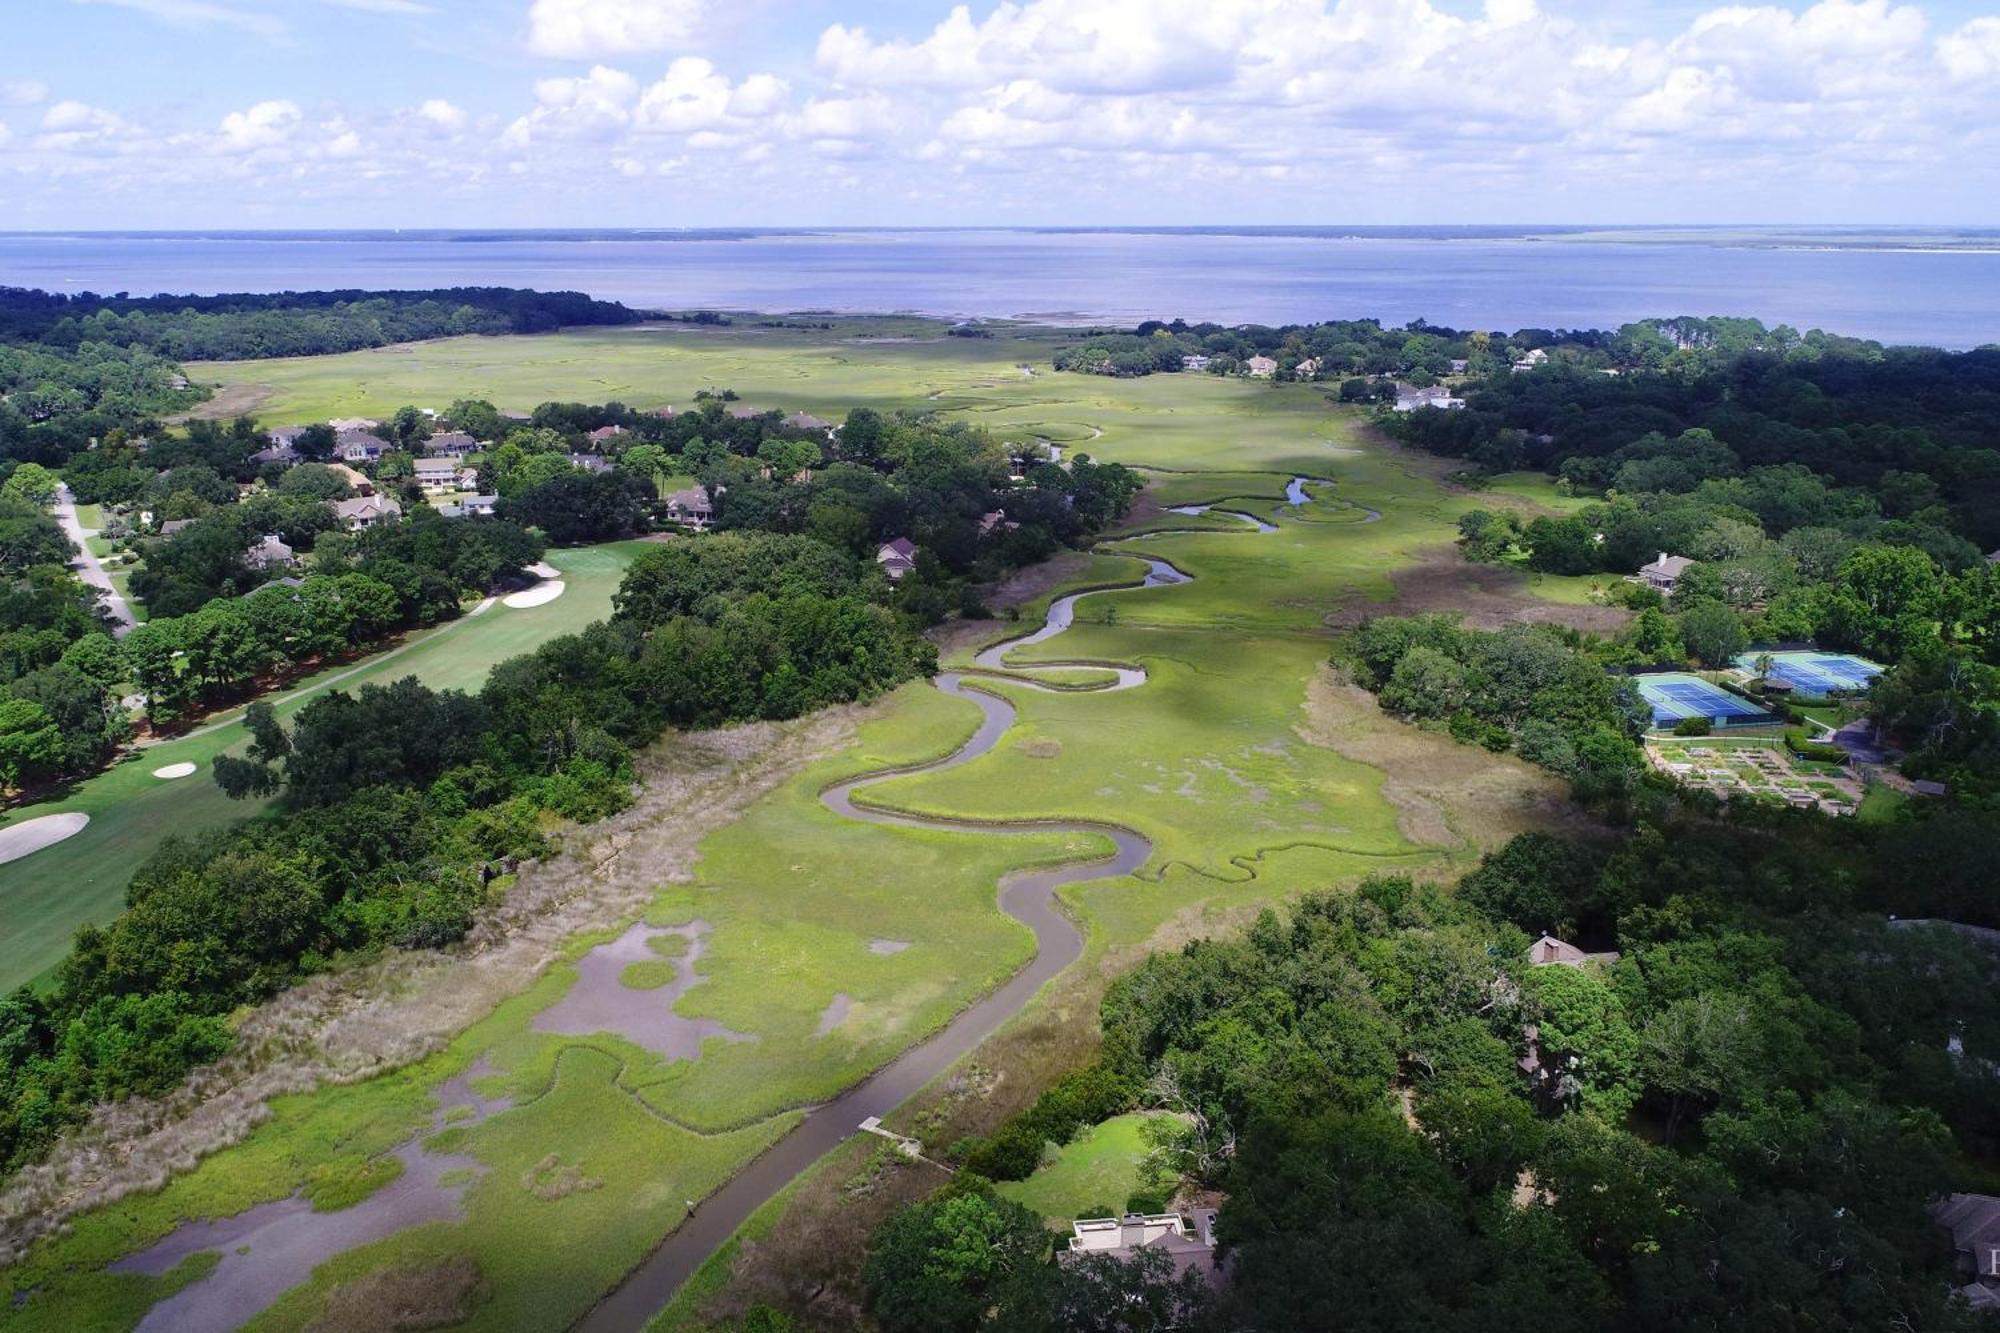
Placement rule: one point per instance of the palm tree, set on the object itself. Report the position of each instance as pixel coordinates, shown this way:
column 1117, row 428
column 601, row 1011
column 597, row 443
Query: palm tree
column 1765, row 665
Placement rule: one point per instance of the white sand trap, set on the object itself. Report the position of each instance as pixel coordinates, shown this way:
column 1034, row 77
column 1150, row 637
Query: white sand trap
column 30, row 836
column 174, row 771
column 539, row 595
column 545, row 570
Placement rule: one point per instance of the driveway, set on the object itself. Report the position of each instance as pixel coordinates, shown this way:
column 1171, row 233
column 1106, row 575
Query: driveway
column 87, row 565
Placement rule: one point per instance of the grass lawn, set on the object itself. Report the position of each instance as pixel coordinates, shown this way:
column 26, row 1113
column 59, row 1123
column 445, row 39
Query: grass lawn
column 1540, row 490
column 1881, row 804
column 1216, row 759
column 1093, row 1175
column 44, row 898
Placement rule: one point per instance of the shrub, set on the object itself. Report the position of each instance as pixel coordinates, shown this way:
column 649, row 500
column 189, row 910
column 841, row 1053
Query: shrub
column 1692, row 726
column 1802, row 745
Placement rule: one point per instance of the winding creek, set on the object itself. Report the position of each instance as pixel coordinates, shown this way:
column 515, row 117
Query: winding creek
column 1029, row 896
column 273, row 1247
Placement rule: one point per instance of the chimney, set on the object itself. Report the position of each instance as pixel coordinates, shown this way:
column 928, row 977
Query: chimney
column 1663, row 557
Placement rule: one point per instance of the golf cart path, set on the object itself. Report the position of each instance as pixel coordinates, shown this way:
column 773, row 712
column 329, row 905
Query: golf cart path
column 1028, row 896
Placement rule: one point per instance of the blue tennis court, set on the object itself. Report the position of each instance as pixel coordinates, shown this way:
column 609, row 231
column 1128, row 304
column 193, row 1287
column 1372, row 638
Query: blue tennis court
column 1818, row 674
column 1673, row 697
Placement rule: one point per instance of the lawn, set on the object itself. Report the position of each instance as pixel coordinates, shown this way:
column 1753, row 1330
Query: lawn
column 1093, row 1175
column 44, row 898
column 1213, row 759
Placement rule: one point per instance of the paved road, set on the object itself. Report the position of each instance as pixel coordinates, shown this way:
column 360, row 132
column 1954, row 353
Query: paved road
column 87, row 564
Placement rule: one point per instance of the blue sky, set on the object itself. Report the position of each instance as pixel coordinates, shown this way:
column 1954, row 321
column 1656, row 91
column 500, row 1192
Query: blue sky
column 458, row 113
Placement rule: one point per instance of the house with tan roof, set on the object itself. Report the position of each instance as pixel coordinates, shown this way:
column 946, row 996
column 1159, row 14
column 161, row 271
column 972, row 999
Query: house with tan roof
column 1664, row 572
column 366, row 511
column 691, row 508
column 1187, row 1241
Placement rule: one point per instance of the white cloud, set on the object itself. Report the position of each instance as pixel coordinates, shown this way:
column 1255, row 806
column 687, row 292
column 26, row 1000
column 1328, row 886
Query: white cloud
column 1973, row 52
column 265, row 125
column 200, row 14
column 587, row 29
column 26, row 92
column 383, row 6
column 594, row 106
column 445, row 115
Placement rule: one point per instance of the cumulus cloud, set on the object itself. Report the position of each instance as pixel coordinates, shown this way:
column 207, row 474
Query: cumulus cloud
column 444, row 115
column 265, row 125
column 25, row 92
column 588, row 29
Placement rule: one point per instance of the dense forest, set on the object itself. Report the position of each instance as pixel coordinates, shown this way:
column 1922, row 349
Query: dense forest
column 1735, row 1121
column 1362, row 354
column 246, row 326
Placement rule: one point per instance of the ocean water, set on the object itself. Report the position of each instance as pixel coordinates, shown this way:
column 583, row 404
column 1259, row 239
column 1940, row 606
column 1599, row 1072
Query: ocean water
column 1899, row 290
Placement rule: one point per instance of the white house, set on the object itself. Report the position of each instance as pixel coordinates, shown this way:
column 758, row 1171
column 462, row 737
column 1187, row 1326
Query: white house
column 450, row 444
column 1188, row 1243
column 1409, row 400
column 1974, row 1223
column 897, row 557
column 1664, row 572
column 366, row 511
column 268, row 553
column 691, row 508
column 479, row 506
column 438, row 475
column 1261, row 367
column 1195, row 362
column 358, row 446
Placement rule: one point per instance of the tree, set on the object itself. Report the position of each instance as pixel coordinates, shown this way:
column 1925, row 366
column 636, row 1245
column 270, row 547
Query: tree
column 1561, row 545
column 1714, row 633
column 1587, row 1041
column 317, row 441
column 941, row 1264
column 30, row 743
column 33, row 483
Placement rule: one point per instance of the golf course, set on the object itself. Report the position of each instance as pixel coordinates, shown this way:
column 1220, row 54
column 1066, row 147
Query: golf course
column 46, row 896
column 941, row 877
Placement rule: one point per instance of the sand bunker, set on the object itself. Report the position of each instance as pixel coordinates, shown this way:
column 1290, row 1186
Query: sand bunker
column 542, row 569
column 174, row 771
column 31, row 835
column 538, row 595
column 887, row 946
column 601, row 1002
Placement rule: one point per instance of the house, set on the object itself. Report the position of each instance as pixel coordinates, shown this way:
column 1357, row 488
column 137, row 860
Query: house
column 691, row 508
column 807, row 421
column 479, row 506
column 268, row 553
column 1548, row 951
column 517, row 416
column 1974, row 1223
column 1460, row 365
column 347, row 425
column 1188, row 1242
column 1261, row 367
column 1532, row 361
column 997, row 519
column 742, row 411
column 1306, row 369
column 1409, row 399
column 437, row 475
column 358, row 446
column 1664, row 573
column 450, row 444
column 1993, row 557
column 173, row 525
column 589, row 462
column 276, row 453
column 604, row 435
column 897, row 558
column 366, row 511
column 1196, row 362
column 356, row 482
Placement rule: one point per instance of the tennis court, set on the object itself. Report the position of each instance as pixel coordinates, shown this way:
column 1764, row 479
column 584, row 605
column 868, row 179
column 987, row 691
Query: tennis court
column 1673, row 696
column 1817, row 675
